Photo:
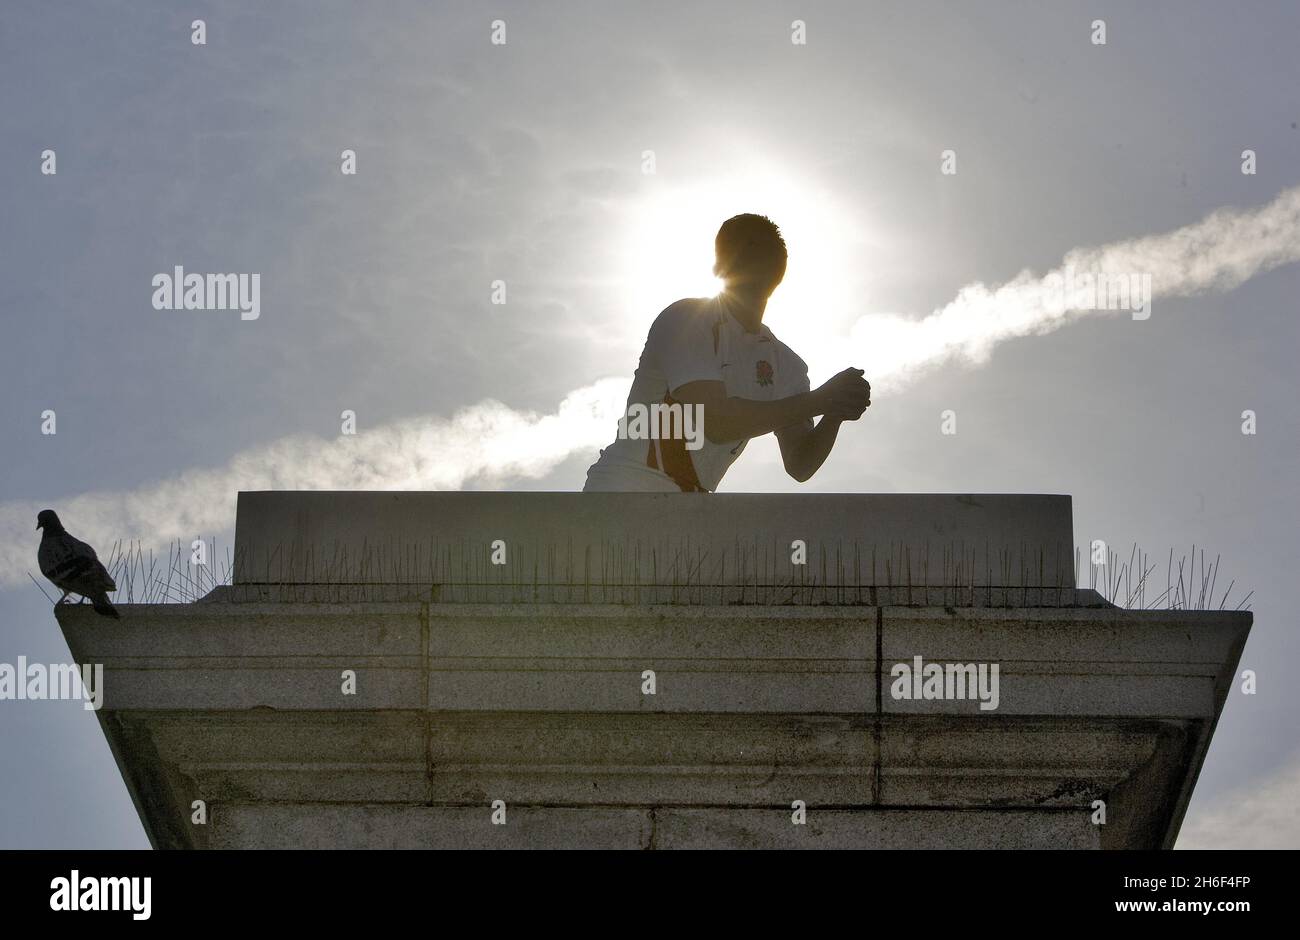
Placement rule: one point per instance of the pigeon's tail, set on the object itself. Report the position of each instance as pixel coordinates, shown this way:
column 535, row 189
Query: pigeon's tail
column 103, row 606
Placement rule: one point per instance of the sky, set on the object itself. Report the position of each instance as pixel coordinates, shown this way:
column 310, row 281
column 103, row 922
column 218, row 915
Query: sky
column 586, row 163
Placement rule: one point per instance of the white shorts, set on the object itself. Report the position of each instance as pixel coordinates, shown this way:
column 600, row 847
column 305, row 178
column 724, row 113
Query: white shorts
column 610, row 477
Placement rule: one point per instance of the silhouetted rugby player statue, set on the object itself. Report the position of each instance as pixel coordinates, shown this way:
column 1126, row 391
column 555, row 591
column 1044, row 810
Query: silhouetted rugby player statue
column 714, row 358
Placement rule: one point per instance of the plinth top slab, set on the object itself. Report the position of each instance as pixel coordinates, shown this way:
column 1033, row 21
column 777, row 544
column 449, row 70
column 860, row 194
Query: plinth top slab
column 317, row 537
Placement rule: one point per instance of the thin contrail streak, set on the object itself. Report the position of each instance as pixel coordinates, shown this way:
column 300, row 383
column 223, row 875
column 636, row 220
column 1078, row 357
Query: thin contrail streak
column 1220, row 252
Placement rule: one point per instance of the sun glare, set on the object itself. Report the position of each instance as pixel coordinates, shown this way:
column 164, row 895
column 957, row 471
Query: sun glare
column 669, row 253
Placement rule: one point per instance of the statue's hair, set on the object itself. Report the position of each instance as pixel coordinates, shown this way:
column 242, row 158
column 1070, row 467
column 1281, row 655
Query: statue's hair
column 749, row 243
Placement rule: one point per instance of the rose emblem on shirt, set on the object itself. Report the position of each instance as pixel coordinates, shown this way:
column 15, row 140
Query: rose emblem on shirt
column 764, row 370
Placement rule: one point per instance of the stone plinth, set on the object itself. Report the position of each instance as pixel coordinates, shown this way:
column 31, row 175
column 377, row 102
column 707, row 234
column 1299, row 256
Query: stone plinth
column 237, row 701
column 650, row 547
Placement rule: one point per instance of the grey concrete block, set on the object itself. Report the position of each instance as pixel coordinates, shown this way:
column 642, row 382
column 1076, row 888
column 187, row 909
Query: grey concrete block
column 572, row 658
column 652, row 538
column 1066, row 661
column 267, row 686
column 236, row 700
column 426, row 827
column 870, row 829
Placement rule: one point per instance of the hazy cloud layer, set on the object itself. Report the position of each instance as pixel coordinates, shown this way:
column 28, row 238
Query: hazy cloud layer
column 1265, row 816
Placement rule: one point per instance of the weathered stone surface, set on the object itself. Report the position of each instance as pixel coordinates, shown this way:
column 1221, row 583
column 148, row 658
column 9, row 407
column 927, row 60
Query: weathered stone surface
column 425, row 827
column 239, row 701
column 542, row 707
column 602, row 543
column 704, row 659
column 1076, row 661
column 882, row 829
column 449, row 827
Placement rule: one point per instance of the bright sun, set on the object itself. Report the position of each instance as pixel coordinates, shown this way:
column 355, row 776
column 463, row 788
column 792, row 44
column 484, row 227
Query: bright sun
column 669, row 250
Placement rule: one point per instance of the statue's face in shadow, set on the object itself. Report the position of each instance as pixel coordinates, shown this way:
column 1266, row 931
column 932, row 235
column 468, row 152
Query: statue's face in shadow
column 757, row 277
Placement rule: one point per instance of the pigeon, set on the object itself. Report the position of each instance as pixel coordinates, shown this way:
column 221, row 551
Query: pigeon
column 73, row 565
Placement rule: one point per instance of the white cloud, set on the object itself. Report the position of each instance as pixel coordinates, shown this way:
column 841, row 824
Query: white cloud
column 487, row 441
